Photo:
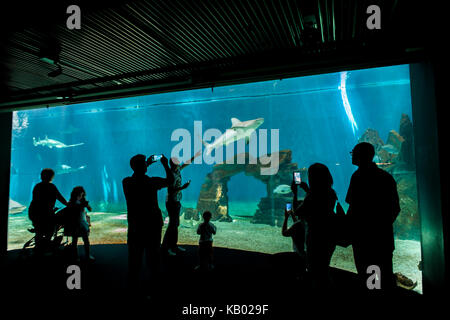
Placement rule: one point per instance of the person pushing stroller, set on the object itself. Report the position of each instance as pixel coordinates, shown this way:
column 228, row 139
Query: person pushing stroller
column 42, row 211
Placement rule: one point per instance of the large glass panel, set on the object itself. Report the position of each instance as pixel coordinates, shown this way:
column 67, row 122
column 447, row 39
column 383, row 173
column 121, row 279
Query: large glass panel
column 299, row 121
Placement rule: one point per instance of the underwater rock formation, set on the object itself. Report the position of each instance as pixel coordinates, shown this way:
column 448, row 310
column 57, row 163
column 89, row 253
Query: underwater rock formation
column 213, row 194
column 407, row 225
column 394, row 139
column 407, row 148
column 190, row 214
column 371, row 136
column 271, row 208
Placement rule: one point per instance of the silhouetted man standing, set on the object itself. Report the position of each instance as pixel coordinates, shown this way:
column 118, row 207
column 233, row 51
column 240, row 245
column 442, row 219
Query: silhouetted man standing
column 374, row 206
column 144, row 216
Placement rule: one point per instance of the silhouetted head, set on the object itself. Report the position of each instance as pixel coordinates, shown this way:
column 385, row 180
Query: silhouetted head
column 362, row 154
column 138, row 164
column 47, row 175
column 319, row 177
column 77, row 193
column 207, row 216
column 174, row 163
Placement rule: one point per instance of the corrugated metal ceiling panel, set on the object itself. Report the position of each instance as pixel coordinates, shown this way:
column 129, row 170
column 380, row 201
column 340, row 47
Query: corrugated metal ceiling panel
column 133, row 42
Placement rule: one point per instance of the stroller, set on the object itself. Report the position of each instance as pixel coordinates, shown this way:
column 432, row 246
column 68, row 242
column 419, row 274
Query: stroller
column 56, row 240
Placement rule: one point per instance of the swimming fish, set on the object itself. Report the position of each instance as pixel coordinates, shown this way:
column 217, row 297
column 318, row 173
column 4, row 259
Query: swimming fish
column 282, row 189
column 51, row 143
column 239, row 130
column 64, row 168
column 120, row 217
column 15, row 207
column 97, row 213
column 378, row 161
column 390, row 148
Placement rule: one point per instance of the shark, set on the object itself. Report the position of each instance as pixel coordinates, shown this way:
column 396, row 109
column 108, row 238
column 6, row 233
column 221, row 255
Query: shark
column 15, row 207
column 51, row 143
column 64, row 168
column 239, row 130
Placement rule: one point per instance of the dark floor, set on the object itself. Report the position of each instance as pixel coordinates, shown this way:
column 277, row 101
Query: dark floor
column 240, row 277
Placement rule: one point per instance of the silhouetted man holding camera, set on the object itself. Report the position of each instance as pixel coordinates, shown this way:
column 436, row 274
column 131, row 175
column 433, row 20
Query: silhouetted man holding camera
column 145, row 220
column 373, row 207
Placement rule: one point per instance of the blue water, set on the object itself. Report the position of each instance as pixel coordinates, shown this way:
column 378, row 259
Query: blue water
column 315, row 119
column 308, row 111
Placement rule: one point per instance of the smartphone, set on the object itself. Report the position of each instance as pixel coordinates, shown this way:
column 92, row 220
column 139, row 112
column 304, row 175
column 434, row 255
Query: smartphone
column 297, row 178
column 288, row 206
column 156, row 157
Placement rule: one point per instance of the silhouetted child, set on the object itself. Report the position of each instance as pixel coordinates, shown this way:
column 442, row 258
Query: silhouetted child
column 205, row 247
column 42, row 211
column 77, row 221
column 173, row 206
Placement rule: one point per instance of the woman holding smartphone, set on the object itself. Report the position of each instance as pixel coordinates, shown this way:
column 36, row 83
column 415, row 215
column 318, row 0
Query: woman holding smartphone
column 317, row 210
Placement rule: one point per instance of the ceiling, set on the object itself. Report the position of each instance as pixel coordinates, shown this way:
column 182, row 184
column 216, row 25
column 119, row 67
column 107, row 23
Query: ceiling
column 128, row 48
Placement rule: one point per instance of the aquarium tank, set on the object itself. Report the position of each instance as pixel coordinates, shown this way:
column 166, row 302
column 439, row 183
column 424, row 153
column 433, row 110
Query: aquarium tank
column 243, row 143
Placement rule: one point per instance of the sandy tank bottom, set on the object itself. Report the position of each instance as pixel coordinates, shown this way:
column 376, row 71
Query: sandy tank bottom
column 111, row 228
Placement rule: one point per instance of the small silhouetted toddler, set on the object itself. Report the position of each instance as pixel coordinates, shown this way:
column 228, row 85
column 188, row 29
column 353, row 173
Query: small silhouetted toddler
column 206, row 230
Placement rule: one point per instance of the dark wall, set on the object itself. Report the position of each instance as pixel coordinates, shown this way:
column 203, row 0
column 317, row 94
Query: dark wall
column 430, row 184
column 5, row 159
column 440, row 69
